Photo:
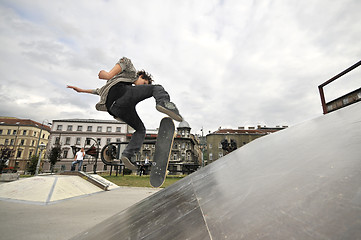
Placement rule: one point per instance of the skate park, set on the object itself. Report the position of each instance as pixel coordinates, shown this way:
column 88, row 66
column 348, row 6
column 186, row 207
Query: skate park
column 299, row 183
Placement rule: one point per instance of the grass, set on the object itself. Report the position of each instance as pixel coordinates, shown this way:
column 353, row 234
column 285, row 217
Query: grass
column 134, row 180
column 139, row 181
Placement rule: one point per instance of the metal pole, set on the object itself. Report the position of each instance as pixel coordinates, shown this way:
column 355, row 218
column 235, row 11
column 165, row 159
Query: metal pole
column 38, row 164
column 202, row 144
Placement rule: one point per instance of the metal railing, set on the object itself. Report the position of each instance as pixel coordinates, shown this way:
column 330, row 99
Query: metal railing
column 342, row 101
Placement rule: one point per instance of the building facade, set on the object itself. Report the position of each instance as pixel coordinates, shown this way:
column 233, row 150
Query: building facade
column 185, row 156
column 73, row 134
column 240, row 137
column 22, row 137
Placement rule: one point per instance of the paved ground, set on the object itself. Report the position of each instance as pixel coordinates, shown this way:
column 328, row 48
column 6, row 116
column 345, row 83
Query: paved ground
column 37, row 208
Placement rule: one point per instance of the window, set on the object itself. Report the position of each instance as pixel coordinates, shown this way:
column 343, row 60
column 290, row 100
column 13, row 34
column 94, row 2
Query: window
column 118, row 140
column 70, row 128
column 22, row 142
column 9, row 131
column 12, row 142
column 57, row 140
column 19, row 153
column 109, row 140
column 77, row 141
column 24, row 132
column 65, row 154
column 99, row 129
column 89, row 128
column 80, row 128
column 1, row 132
column 210, row 156
column 33, row 143
column 30, row 154
column 109, row 129
column 220, row 154
column 118, row 129
column 210, row 146
column 14, row 132
column 59, row 127
column 6, row 141
column 67, row 141
column 99, row 140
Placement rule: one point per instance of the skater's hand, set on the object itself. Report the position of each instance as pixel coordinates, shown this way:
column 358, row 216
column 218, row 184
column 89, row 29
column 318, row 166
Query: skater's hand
column 79, row 90
column 103, row 75
column 109, row 75
column 74, row 88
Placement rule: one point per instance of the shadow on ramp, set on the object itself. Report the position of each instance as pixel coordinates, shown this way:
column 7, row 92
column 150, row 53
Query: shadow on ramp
column 303, row 182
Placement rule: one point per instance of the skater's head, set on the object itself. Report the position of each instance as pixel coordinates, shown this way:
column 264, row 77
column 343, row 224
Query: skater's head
column 143, row 78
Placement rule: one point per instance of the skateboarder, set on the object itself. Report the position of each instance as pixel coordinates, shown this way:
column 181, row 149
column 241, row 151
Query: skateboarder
column 124, row 89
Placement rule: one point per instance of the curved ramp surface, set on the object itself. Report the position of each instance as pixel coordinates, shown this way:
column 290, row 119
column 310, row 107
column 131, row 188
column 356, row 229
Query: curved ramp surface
column 303, row 182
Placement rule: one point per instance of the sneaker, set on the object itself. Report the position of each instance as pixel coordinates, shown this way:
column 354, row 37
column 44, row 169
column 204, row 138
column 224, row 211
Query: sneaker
column 170, row 109
column 127, row 163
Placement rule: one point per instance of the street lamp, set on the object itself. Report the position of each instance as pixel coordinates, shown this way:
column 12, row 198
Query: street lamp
column 202, row 146
column 41, row 130
column 42, row 146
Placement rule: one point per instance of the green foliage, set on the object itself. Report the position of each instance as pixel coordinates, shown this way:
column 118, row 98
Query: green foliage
column 139, row 181
column 54, row 156
column 5, row 154
column 32, row 166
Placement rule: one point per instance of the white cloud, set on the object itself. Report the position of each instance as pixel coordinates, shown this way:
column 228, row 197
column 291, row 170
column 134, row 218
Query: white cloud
column 224, row 63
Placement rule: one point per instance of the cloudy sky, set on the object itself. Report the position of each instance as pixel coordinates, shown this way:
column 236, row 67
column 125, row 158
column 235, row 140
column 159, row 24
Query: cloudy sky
column 226, row 63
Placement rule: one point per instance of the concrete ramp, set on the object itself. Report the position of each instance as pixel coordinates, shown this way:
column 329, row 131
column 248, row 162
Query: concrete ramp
column 303, row 182
column 43, row 190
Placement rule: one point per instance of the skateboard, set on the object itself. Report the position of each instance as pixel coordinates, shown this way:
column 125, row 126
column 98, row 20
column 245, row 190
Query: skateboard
column 163, row 147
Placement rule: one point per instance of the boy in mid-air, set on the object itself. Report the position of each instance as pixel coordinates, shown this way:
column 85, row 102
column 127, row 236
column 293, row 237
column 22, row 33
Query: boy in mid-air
column 124, row 89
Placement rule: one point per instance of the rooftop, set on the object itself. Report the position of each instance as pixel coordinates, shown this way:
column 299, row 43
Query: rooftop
column 22, row 122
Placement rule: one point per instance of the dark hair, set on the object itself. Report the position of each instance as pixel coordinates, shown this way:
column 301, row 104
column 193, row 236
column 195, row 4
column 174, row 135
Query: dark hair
column 145, row 75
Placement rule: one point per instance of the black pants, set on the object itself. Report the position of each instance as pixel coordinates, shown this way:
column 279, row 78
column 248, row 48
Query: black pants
column 124, row 108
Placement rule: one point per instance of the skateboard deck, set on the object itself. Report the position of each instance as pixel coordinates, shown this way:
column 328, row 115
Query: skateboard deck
column 162, row 152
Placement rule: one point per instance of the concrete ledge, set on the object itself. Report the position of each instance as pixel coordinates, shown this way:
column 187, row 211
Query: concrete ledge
column 89, row 178
column 9, row 177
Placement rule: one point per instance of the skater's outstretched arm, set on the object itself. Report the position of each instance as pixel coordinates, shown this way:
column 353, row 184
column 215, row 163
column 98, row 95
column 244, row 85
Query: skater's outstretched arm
column 79, row 90
column 102, row 75
column 109, row 75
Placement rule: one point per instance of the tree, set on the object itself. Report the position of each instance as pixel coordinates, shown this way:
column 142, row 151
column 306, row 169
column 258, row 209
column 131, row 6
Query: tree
column 54, row 156
column 33, row 163
column 5, row 154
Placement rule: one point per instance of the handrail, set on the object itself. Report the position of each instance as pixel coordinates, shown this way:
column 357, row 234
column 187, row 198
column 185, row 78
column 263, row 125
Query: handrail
column 320, row 87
